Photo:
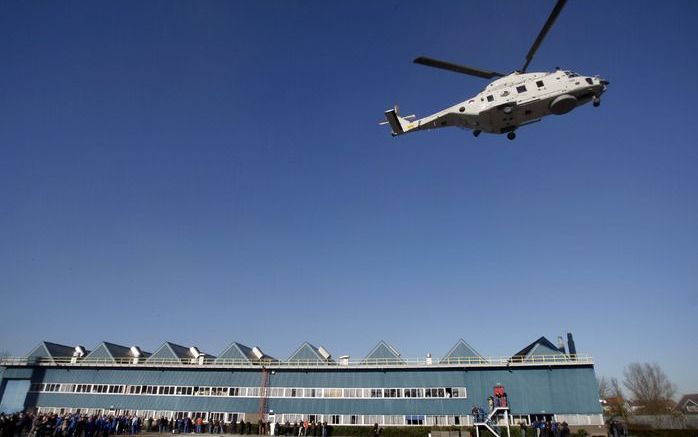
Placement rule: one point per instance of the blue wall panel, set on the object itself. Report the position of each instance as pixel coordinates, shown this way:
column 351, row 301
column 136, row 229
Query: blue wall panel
column 569, row 389
column 18, row 373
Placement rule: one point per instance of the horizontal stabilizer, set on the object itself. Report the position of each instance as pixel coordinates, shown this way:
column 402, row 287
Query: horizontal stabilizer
column 398, row 124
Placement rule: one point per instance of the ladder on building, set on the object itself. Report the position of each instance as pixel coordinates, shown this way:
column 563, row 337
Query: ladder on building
column 491, row 421
column 264, row 395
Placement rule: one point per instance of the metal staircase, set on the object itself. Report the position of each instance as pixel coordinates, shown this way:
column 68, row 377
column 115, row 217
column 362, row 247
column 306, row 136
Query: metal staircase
column 490, row 423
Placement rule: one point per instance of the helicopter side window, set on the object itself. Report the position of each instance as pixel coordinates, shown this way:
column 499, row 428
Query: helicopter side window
column 589, row 81
column 490, row 98
column 540, row 84
column 521, row 89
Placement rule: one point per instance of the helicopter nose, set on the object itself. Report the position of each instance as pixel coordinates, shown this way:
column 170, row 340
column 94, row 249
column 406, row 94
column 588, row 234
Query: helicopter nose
column 605, row 82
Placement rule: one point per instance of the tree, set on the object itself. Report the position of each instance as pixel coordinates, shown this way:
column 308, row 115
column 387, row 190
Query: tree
column 604, row 388
column 611, row 393
column 615, row 388
column 650, row 387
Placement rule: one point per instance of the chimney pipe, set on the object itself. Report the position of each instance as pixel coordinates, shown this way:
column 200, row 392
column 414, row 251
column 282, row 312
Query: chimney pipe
column 570, row 344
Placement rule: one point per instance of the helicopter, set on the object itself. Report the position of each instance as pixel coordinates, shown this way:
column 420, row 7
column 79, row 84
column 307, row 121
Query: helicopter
column 513, row 100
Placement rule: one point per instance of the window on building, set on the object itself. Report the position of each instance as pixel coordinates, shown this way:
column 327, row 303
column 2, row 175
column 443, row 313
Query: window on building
column 352, row 392
column 376, row 393
column 333, row 392
column 392, row 393
column 414, row 420
column 334, row 419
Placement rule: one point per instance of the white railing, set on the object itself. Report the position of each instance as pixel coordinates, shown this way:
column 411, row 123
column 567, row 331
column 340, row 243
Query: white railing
column 535, row 360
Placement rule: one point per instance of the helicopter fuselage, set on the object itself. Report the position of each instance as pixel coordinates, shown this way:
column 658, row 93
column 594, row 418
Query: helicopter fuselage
column 516, row 100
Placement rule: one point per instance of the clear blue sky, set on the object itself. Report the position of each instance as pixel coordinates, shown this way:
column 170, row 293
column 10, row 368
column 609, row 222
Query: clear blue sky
column 204, row 172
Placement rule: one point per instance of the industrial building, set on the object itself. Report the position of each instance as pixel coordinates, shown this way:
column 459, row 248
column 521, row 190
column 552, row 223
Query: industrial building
column 542, row 381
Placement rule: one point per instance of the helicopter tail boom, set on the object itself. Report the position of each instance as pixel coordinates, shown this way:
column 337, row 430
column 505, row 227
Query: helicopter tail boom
column 399, row 125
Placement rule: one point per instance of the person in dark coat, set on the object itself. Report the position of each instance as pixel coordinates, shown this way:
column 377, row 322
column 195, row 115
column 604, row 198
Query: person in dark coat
column 565, row 430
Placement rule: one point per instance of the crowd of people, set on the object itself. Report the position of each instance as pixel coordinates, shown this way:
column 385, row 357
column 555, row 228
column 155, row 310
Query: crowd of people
column 70, row 425
column 617, row 428
column 303, row 429
column 546, row 428
column 82, row 425
column 499, row 400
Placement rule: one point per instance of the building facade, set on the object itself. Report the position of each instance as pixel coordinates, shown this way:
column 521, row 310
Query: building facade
column 541, row 381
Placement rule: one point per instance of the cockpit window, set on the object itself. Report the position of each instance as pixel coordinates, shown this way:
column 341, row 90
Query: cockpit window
column 589, row 81
column 571, row 74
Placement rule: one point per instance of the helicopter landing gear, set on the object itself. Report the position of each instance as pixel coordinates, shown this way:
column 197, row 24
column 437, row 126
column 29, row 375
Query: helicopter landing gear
column 511, row 135
column 596, row 101
column 477, row 133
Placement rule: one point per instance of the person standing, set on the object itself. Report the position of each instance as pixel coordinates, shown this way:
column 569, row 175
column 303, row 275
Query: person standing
column 565, row 430
column 523, row 428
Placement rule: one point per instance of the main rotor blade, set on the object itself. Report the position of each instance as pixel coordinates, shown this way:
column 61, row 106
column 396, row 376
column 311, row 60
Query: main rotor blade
column 430, row 62
column 544, row 31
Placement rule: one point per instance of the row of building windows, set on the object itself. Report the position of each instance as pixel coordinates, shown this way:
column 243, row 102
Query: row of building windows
column 272, row 392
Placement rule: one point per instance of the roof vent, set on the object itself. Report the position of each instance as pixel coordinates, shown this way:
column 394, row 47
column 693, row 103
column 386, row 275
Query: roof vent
column 325, row 354
column 136, row 351
column 257, row 352
column 344, row 360
column 570, row 344
column 79, row 351
column 194, row 352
